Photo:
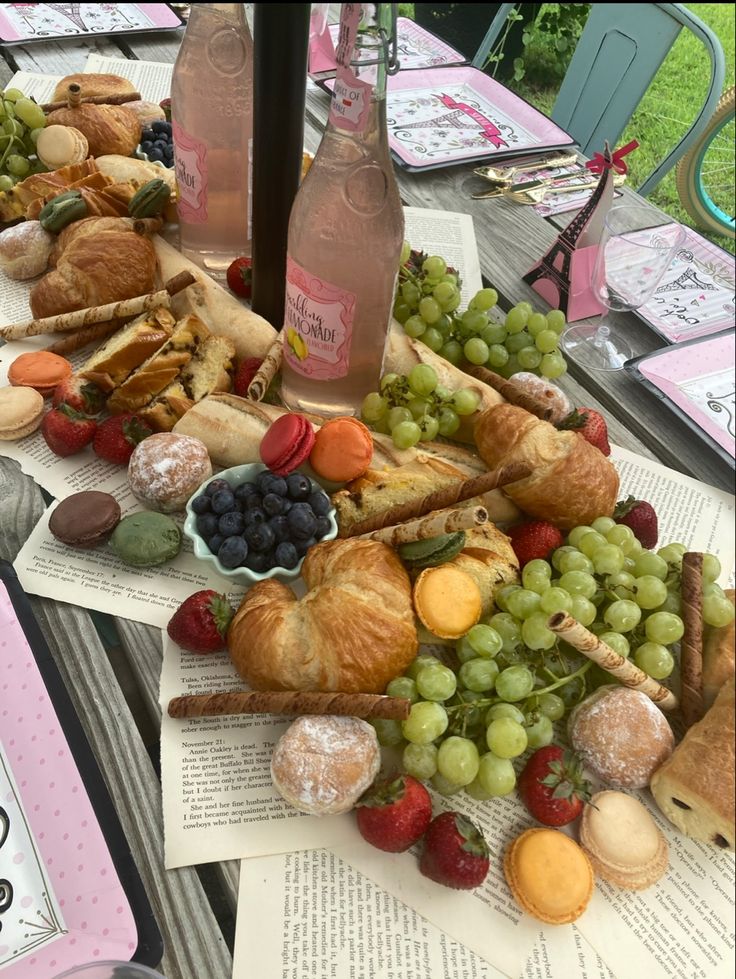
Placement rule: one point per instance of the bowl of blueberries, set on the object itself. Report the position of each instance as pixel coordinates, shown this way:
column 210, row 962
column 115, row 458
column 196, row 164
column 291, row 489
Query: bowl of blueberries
column 250, row 524
column 157, row 144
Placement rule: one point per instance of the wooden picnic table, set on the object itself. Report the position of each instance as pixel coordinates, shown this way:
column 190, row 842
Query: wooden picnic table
column 115, row 691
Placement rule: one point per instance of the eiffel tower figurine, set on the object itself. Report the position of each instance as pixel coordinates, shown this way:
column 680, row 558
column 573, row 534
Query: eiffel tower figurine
column 564, row 276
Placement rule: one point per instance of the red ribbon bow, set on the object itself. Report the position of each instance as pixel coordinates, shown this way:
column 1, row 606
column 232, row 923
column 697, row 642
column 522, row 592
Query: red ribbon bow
column 599, row 163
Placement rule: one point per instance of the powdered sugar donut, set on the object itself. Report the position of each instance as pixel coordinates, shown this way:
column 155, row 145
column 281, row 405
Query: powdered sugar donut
column 25, row 250
column 166, row 469
column 322, row 765
column 548, row 393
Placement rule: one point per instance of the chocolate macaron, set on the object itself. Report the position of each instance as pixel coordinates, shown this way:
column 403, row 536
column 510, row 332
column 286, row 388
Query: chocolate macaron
column 85, row 519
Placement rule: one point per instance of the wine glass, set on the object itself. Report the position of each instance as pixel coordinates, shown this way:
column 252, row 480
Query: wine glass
column 632, row 257
column 110, row 970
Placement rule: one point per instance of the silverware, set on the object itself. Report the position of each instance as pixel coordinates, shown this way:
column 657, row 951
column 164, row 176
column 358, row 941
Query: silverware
column 536, row 195
column 531, row 186
column 504, row 175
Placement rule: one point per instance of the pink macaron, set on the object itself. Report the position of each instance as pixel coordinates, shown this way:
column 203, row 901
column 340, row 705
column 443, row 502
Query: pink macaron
column 287, row 444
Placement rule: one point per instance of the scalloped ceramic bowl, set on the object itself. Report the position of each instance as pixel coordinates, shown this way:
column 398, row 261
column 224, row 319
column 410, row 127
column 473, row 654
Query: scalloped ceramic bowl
column 244, row 576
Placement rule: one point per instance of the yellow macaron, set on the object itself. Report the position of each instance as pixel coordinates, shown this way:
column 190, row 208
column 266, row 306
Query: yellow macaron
column 447, row 601
column 549, row 875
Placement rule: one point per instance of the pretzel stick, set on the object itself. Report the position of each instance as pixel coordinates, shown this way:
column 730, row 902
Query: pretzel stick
column 511, row 390
column 66, row 322
column 439, row 500
column 267, row 371
column 691, row 647
column 364, row 705
column 96, row 100
column 75, row 341
column 623, row 669
column 434, row 524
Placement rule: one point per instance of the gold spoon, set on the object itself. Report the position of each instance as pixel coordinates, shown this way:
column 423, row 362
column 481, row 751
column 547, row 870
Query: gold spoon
column 505, row 175
column 538, row 194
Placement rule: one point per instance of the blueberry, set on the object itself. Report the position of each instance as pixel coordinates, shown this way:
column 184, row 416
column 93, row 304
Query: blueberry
column 156, row 154
column 232, row 552
column 286, row 505
column 169, row 151
column 222, row 501
column 148, row 134
column 161, row 126
column 280, row 529
column 298, row 486
column 286, row 555
column 278, row 486
column 201, row 504
column 215, row 486
column 302, row 546
column 273, row 505
column 169, row 163
column 323, row 527
column 260, row 537
column 254, row 516
column 207, row 525
column 231, row 523
column 245, row 490
column 146, row 145
column 215, row 542
column 253, row 500
column 264, row 479
column 320, row 503
column 256, row 561
column 302, row 522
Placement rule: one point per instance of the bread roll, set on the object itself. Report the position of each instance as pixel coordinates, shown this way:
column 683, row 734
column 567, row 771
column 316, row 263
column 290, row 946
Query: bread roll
column 719, row 650
column 352, row 632
column 92, row 84
column 572, row 482
column 322, row 765
column 108, row 128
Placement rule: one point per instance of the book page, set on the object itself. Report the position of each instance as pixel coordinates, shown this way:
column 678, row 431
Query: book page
column 36, row 86
column 450, row 235
column 151, row 78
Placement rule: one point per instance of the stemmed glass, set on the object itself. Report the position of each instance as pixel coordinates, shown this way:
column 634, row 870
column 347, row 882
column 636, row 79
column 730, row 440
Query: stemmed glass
column 632, row 258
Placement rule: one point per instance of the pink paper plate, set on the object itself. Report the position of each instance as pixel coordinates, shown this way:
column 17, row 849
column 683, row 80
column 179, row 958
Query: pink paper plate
column 24, row 22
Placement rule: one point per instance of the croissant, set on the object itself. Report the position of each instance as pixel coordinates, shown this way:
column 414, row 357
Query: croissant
column 108, row 128
column 353, row 631
column 572, row 482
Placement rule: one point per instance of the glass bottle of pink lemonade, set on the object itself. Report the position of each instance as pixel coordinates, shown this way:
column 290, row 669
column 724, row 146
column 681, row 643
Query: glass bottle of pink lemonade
column 212, row 125
column 345, row 233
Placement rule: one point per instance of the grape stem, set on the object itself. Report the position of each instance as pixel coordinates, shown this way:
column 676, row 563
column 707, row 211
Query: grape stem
column 490, row 701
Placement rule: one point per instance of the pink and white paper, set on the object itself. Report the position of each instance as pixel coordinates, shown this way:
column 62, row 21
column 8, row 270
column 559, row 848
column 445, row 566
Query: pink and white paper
column 416, row 47
column 43, row 21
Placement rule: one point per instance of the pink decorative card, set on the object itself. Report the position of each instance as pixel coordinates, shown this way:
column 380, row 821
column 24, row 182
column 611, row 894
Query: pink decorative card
column 23, row 22
column 417, row 47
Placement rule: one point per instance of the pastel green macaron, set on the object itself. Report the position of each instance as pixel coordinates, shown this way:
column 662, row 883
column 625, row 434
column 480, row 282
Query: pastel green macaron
column 146, row 539
column 432, row 551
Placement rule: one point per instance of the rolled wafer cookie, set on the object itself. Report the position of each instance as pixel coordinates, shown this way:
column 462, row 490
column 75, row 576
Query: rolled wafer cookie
column 434, row 524
column 364, row 705
column 691, row 647
column 268, row 370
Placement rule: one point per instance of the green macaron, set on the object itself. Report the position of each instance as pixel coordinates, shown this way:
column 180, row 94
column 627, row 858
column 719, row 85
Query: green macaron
column 432, row 551
column 146, row 539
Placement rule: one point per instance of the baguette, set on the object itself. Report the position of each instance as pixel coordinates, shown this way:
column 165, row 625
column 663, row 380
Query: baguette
column 127, row 349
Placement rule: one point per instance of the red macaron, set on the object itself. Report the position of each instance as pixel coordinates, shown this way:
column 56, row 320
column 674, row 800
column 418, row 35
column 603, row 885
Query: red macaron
column 287, row 444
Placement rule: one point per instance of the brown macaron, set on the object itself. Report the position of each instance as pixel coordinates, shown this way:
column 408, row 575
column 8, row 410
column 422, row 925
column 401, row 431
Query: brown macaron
column 85, row 519
column 21, row 411
column 623, row 843
column 40, row 370
column 549, row 875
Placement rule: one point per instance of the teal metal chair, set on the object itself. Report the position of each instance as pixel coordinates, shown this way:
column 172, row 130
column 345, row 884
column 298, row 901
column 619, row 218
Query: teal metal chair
column 619, row 53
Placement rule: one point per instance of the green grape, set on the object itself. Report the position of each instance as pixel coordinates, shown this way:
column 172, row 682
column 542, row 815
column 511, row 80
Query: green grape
column 623, row 615
column 577, row 534
column 476, row 791
column 444, row 293
column 427, row 720
column 603, row 524
column 508, row 629
column 546, row 341
column 535, row 633
column 422, row 379
column 449, row 422
column 424, row 659
column 551, row 706
column 398, row 415
column 514, row 683
column 498, row 355
column 504, row 710
column 381, row 426
column 553, row 365
column 536, row 575
column 420, row 760
column 608, row 559
column 717, row 610
column 452, row 351
column 523, row 602
column 583, row 610
column 11, row 127
column 429, row 310
column 632, row 547
column 655, row 659
column 618, row 643
column 576, row 561
column 540, row 731
column 388, row 381
column 559, row 553
column 404, row 687
column 410, row 293
column 649, row 563
column 591, row 542
column 711, row 568
column 464, row 651
column 478, row 675
column 433, row 339
column 620, row 534
column 501, row 596
column 405, row 253
column 664, row 627
column 556, row 320
column 493, row 333
column 443, row 786
column 555, row 600
column 436, row 682
column 16, row 165
column 516, row 319
column 650, row 592
column 496, row 775
column 484, row 300
column 476, row 351
column 527, row 306
column 473, row 321
column 484, row 640
column 465, row 401
column 389, row 733
column 579, row 583
column 402, row 311
column 406, row 434
column 529, row 358
column 435, row 266
column 418, row 407
column 518, row 341
column 6, row 182
column 374, row 407
column 430, row 427
column 415, row 327
column 536, row 324
column 710, row 588
column 672, row 554
column 457, row 760
column 13, row 94
column 672, row 603
column 443, row 327
column 30, row 113
column 506, row 738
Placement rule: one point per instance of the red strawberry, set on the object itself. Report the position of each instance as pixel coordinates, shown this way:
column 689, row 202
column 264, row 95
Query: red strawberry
column 116, row 437
column 201, row 622
column 591, row 425
column 240, row 277
column 67, row 431
column 394, row 814
column 535, row 539
column 80, row 395
column 552, row 786
column 455, row 852
column 245, row 373
column 641, row 518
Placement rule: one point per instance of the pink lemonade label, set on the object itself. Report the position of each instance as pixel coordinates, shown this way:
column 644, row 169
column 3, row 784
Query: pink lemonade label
column 318, row 322
column 191, row 175
column 351, row 97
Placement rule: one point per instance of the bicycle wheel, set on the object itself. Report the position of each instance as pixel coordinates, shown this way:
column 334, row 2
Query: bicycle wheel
column 705, row 175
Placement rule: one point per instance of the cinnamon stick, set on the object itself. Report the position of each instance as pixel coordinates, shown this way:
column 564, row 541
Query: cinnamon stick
column 569, row 629
column 96, row 100
column 511, row 390
column 66, row 322
column 691, row 647
column 267, row 371
column 439, row 500
column 434, row 524
column 365, row 705
column 80, row 338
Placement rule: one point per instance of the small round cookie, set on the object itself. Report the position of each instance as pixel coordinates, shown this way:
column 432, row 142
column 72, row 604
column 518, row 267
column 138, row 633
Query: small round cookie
column 447, row 601
column 621, row 736
column 342, row 450
column 322, row 765
column 85, row 519
column 622, row 841
column 549, row 875
column 21, row 411
column 166, row 469
column 146, row 539
column 40, row 370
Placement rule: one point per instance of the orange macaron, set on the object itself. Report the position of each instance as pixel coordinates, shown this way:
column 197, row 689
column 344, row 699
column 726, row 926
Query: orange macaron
column 40, row 370
column 342, row 451
column 549, row 875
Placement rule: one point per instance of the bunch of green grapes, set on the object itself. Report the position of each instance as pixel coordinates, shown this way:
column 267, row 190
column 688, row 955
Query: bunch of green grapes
column 514, row 677
column 416, row 407
column 427, row 305
column 21, row 120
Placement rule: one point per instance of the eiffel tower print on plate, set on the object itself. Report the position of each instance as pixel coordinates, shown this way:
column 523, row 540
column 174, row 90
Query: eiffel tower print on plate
column 443, row 116
column 696, row 295
column 23, row 22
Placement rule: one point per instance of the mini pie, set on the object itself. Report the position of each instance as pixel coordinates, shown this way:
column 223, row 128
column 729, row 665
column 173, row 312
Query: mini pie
column 447, row 601
column 21, row 411
column 622, row 841
column 549, row 875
